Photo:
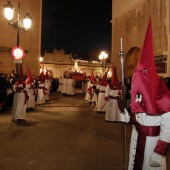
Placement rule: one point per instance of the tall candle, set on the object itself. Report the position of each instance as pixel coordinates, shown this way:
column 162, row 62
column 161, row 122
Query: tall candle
column 121, row 48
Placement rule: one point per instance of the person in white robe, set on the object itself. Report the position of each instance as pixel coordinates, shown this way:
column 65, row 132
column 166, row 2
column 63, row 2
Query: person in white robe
column 70, row 87
column 64, row 85
column 20, row 99
column 150, row 98
column 47, row 86
column 31, row 90
column 101, row 103
column 60, row 84
column 87, row 95
column 41, row 89
column 32, row 94
column 91, row 89
column 113, row 98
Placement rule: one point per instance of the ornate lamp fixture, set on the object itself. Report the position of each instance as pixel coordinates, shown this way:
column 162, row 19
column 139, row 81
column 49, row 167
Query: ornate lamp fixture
column 16, row 24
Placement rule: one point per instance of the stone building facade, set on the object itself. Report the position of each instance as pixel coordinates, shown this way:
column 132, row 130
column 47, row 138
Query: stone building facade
column 29, row 41
column 129, row 22
column 60, row 64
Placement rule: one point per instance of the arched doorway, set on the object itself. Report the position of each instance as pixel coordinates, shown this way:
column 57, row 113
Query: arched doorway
column 131, row 60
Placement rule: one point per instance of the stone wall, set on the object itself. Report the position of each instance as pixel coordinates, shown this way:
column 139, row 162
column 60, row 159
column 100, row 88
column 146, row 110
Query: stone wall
column 131, row 26
column 29, row 41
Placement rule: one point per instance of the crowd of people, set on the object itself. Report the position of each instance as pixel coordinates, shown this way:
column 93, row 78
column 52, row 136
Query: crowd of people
column 14, row 87
column 105, row 94
column 13, row 83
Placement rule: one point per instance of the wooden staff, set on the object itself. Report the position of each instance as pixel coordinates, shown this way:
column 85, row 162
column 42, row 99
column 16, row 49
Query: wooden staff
column 123, row 99
column 103, row 105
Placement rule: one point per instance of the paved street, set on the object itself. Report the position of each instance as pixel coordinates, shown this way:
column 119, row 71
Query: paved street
column 64, row 134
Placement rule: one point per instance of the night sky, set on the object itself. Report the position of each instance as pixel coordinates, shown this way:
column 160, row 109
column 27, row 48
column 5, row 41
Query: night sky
column 76, row 26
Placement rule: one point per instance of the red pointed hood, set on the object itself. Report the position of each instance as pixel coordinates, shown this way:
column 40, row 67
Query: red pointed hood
column 114, row 84
column 149, row 93
column 29, row 79
column 93, row 79
column 42, row 76
column 104, row 81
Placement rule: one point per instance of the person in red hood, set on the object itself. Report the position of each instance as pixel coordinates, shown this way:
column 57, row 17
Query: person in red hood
column 113, row 98
column 31, row 91
column 41, row 89
column 101, row 103
column 92, row 87
column 150, row 106
column 47, row 85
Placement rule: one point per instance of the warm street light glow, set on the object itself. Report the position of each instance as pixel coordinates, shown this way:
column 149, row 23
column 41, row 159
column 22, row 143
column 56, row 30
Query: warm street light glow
column 17, row 24
column 27, row 21
column 41, row 59
column 9, row 11
column 103, row 55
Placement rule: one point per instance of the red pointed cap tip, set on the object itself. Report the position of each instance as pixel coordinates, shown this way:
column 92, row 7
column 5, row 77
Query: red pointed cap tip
column 105, row 75
column 42, row 77
column 115, row 81
column 93, row 79
column 29, row 77
column 147, row 56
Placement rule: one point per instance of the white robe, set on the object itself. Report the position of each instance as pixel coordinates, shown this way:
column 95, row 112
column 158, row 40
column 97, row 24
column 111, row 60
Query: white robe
column 112, row 110
column 101, row 103
column 70, row 87
column 30, row 91
column 41, row 95
column 146, row 120
column 19, row 106
column 87, row 96
column 31, row 101
column 64, row 86
column 48, row 87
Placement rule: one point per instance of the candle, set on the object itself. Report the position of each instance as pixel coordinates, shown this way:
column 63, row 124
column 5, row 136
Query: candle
column 121, row 48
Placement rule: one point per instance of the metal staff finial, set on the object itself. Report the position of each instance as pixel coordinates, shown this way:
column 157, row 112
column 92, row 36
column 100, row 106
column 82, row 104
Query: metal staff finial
column 123, row 99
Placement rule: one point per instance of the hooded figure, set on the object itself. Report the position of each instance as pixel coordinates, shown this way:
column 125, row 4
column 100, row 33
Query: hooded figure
column 31, row 91
column 113, row 98
column 20, row 98
column 41, row 89
column 93, row 90
column 29, row 79
column 93, row 79
column 47, row 85
column 150, row 106
column 101, row 103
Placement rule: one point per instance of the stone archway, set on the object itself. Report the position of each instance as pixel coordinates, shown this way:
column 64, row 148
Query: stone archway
column 131, row 60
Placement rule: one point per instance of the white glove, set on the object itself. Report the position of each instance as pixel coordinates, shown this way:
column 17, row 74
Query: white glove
column 155, row 160
column 20, row 85
column 124, row 117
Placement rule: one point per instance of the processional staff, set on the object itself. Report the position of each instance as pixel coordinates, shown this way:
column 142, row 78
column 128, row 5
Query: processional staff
column 123, row 98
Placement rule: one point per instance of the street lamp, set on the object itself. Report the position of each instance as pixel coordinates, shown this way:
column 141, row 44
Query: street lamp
column 16, row 24
column 41, row 59
column 103, row 56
